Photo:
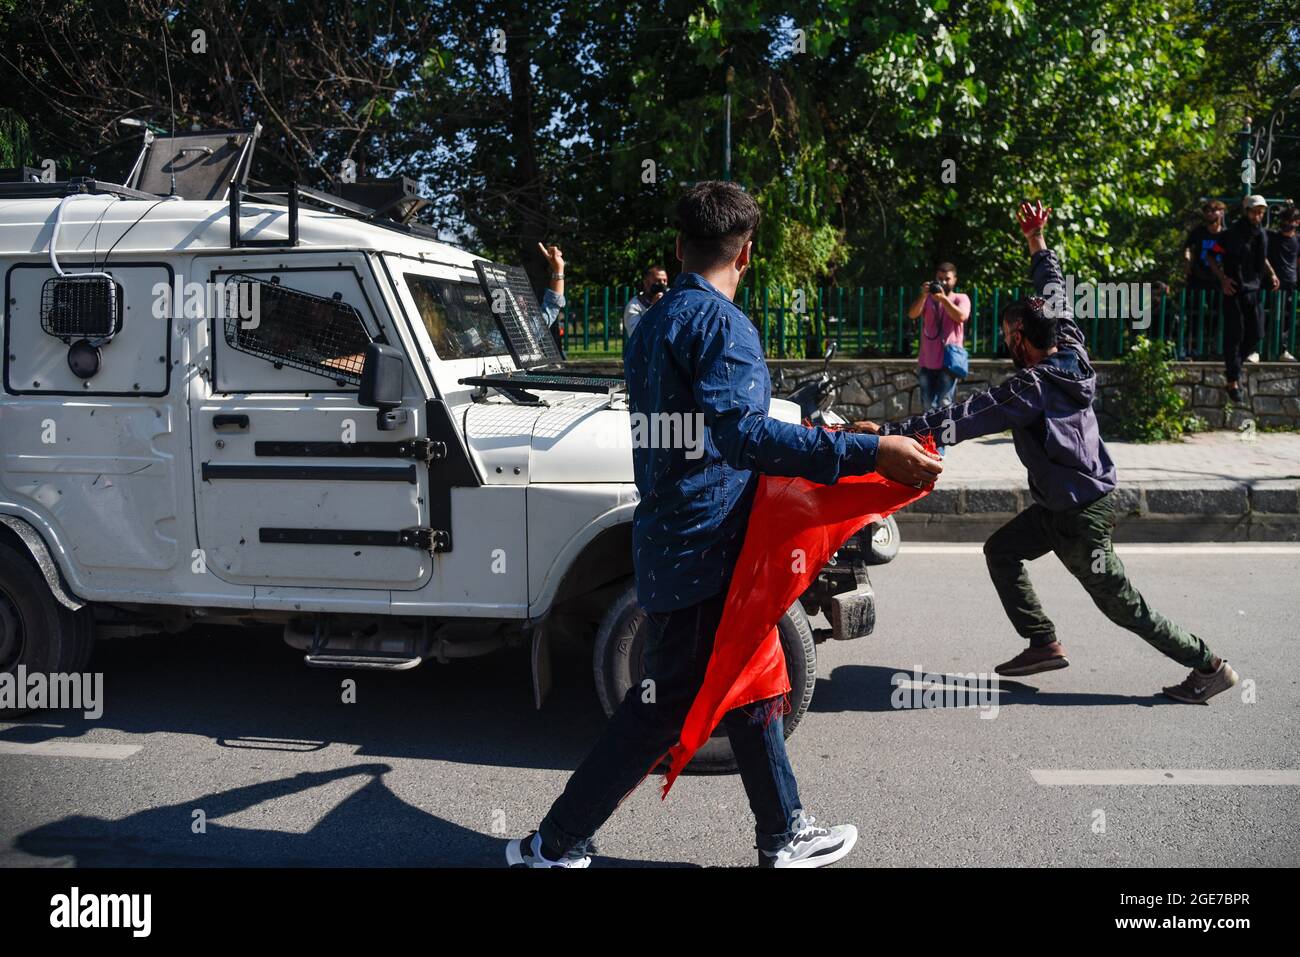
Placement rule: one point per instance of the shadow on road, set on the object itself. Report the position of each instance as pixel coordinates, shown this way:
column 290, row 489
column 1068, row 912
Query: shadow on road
column 244, row 689
column 372, row 827
column 870, row 688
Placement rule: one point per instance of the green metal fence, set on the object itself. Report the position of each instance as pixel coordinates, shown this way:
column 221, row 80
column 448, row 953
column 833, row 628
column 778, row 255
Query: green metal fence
column 872, row 322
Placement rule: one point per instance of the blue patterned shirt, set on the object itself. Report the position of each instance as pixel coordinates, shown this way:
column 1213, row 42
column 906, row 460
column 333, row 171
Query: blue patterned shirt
column 695, row 361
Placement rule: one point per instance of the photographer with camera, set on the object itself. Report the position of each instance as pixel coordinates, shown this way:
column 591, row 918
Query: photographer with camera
column 653, row 286
column 941, row 358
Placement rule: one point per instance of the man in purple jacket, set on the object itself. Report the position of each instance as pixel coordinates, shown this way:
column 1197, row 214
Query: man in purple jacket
column 1047, row 405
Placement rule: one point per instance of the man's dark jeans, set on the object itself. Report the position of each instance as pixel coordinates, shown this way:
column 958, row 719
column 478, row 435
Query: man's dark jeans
column 648, row 723
column 938, row 387
column 1285, row 309
column 1081, row 539
column 1243, row 327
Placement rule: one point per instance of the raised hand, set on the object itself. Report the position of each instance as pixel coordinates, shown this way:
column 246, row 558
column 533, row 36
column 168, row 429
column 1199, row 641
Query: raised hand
column 1033, row 217
column 554, row 258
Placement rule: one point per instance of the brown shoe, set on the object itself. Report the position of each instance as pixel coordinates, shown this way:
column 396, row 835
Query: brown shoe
column 1033, row 660
column 1198, row 688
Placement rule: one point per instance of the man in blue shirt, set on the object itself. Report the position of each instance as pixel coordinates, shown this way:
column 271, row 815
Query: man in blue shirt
column 696, row 358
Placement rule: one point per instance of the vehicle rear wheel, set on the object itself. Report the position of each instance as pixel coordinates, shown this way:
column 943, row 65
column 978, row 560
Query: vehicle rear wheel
column 36, row 631
column 620, row 642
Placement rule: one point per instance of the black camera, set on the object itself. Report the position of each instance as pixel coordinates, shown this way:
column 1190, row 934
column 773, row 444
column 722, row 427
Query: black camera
column 658, row 287
column 936, row 286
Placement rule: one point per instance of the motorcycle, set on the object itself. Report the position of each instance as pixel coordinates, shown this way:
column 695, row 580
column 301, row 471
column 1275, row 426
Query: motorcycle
column 879, row 542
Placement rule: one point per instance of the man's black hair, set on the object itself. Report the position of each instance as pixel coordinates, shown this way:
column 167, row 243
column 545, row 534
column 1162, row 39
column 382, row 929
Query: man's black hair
column 716, row 219
column 1036, row 321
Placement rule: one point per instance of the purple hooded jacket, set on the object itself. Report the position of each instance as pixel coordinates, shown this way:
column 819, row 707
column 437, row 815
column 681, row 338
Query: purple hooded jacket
column 1047, row 407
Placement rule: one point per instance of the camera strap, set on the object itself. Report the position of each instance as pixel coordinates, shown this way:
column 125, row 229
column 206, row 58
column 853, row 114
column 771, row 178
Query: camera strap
column 925, row 322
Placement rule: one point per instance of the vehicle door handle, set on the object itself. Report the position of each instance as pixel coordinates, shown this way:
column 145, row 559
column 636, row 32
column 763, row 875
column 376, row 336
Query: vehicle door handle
column 229, row 422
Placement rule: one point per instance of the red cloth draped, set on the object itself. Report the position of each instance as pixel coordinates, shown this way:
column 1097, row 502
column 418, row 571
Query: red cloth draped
column 794, row 527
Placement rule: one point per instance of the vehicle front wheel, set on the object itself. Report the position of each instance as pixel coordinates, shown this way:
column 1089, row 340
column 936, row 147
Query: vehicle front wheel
column 36, row 631
column 883, row 542
column 620, row 642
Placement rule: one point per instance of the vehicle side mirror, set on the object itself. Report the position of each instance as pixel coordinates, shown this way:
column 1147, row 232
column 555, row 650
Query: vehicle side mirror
column 381, row 385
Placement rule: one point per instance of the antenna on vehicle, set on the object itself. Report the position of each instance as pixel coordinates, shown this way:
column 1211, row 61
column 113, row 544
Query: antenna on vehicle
column 171, row 102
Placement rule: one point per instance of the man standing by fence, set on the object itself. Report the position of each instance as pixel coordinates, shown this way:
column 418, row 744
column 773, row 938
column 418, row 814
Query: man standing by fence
column 1243, row 272
column 943, row 314
column 1283, row 245
column 1203, row 246
column 653, row 286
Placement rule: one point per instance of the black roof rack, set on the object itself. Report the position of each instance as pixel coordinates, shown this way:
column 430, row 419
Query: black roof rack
column 71, row 187
column 293, row 194
column 237, row 193
column 290, row 196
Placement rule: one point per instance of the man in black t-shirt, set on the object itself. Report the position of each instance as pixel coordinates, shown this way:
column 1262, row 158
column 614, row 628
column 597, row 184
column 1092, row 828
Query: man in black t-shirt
column 1242, row 273
column 1283, row 247
column 1204, row 245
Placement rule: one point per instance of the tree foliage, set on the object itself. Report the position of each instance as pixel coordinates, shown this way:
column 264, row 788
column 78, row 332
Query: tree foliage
column 878, row 137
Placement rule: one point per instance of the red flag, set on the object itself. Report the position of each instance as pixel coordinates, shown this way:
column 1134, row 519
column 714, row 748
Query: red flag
column 794, row 527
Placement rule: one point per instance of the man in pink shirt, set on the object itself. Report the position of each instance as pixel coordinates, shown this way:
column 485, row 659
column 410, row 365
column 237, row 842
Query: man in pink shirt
column 943, row 314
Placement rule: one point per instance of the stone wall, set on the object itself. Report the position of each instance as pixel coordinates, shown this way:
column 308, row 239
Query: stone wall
column 887, row 389
column 882, row 389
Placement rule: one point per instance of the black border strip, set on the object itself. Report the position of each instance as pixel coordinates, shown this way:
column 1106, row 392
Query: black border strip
column 124, row 264
column 317, row 473
column 335, row 536
column 458, row 469
column 372, row 450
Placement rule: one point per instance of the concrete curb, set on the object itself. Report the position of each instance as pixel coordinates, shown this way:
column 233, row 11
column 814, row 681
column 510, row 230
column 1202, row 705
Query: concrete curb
column 1158, row 511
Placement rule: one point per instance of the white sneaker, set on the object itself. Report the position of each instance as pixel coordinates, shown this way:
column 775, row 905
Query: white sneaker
column 527, row 852
column 812, row 846
column 1253, row 357
column 1286, row 356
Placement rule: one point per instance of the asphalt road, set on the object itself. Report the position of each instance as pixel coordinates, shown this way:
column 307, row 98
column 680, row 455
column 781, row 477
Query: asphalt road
column 439, row 765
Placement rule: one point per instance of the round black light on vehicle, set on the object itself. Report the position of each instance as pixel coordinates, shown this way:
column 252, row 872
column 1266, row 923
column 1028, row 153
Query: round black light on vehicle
column 83, row 359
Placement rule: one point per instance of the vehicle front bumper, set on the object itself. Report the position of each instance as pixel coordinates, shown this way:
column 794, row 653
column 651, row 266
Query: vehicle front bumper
column 853, row 613
column 842, row 592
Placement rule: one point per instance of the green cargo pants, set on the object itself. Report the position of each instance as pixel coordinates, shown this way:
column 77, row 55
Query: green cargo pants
column 1081, row 539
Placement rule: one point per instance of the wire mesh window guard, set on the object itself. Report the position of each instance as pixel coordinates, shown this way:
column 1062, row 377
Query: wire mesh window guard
column 513, row 302
column 81, row 307
column 292, row 328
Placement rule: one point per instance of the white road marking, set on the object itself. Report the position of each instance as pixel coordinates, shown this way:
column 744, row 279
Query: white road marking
column 70, row 749
column 1280, row 548
column 971, row 695
column 953, row 683
column 1200, row 777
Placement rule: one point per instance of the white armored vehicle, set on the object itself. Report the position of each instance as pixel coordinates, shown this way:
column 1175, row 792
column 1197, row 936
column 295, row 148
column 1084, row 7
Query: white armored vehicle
column 287, row 409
